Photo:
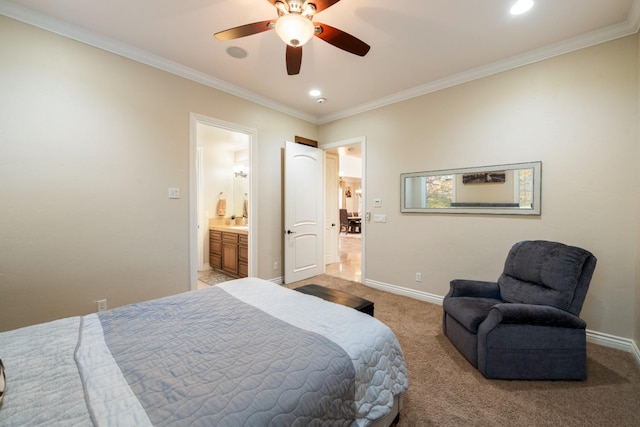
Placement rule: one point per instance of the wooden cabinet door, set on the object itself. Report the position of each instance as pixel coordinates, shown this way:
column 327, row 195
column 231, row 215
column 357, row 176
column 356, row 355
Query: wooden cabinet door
column 215, row 249
column 230, row 258
column 243, row 256
column 230, row 253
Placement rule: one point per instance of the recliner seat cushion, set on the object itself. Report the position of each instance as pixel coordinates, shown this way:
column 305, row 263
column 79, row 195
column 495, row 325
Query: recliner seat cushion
column 542, row 273
column 469, row 311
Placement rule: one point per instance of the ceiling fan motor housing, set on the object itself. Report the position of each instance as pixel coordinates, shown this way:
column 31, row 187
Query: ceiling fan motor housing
column 296, row 6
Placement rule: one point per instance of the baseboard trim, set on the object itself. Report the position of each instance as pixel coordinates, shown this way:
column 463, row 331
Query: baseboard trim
column 277, row 280
column 411, row 293
column 613, row 341
column 595, row 337
column 636, row 351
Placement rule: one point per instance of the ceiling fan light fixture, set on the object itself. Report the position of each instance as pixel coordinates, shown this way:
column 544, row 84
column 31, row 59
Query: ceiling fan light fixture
column 294, row 29
column 521, row 6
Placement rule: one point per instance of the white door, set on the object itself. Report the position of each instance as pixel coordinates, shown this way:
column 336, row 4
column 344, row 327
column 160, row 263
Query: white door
column 331, row 214
column 303, row 212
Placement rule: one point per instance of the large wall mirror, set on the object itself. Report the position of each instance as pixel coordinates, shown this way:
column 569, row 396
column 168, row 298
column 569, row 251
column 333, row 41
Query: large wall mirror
column 512, row 189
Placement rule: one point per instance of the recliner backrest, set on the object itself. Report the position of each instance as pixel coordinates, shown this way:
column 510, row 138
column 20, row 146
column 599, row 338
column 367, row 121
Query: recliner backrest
column 549, row 273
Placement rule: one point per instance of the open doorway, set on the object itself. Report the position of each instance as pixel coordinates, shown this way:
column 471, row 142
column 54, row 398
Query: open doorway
column 223, row 195
column 350, row 202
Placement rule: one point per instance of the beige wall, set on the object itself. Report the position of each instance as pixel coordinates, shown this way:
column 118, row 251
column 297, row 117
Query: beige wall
column 576, row 113
column 89, row 143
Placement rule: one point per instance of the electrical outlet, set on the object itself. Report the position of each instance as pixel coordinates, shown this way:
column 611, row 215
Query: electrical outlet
column 102, row 304
column 275, row 265
column 418, row 277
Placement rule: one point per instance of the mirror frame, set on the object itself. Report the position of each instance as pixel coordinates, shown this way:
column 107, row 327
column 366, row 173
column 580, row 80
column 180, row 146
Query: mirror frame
column 494, row 209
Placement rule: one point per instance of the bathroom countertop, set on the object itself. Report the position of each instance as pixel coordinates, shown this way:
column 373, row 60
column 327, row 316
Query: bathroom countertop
column 240, row 229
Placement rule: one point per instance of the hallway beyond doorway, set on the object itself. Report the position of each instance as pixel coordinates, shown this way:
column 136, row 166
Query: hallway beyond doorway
column 350, row 252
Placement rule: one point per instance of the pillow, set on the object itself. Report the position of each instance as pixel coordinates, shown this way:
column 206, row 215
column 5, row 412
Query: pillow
column 2, row 382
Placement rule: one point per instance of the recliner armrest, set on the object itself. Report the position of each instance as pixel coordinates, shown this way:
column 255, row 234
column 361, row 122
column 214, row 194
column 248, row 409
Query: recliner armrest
column 530, row 314
column 473, row 288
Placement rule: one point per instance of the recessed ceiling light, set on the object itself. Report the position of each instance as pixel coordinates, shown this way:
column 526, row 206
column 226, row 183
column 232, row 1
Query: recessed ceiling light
column 237, row 52
column 315, row 92
column 521, row 6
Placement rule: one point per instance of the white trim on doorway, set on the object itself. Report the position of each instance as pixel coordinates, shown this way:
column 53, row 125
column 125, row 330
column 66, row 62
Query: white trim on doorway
column 362, row 140
column 194, row 263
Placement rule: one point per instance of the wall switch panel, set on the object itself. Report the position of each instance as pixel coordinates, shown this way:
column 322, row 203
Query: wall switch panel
column 377, row 203
column 379, row 218
column 174, row 193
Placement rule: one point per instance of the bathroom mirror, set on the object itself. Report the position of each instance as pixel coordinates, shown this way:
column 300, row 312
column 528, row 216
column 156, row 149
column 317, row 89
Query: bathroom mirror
column 240, row 189
column 512, row 189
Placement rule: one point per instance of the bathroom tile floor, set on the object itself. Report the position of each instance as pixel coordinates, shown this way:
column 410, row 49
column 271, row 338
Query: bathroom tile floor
column 211, row 277
column 350, row 252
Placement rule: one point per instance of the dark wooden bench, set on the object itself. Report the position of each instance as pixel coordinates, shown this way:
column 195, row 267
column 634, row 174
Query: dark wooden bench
column 339, row 297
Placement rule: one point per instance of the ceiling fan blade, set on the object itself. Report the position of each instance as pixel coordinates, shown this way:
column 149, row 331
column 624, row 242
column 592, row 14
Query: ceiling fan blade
column 323, row 4
column 294, row 59
column 342, row 40
column 244, row 30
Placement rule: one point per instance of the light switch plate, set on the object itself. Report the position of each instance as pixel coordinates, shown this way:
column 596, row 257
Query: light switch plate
column 377, row 203
column 379, row 218
column 174, row 193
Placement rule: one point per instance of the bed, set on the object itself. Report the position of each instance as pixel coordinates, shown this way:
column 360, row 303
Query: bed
column 243, row 353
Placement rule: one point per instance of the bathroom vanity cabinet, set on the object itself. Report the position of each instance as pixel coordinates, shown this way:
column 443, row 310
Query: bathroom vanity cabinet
column 243, row 255
column 228, row 251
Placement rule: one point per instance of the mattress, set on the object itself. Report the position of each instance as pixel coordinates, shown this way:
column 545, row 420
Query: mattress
column 245, row 352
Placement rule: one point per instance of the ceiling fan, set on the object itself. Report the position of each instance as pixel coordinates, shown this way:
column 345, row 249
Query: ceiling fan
column 295, row 27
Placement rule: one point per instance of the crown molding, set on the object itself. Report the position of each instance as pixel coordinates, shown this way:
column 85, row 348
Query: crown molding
column 31, row 17
column 28, row 16
column 631, row 26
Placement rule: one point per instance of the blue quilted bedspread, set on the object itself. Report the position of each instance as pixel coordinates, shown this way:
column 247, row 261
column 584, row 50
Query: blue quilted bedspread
column 244, row 353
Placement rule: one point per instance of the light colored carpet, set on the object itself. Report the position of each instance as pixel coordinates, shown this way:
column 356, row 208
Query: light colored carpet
column 445, row 390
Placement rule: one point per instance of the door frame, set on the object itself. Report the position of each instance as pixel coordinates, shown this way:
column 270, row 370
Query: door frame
column 194, row 262
column 332, row 218
column 362, row 140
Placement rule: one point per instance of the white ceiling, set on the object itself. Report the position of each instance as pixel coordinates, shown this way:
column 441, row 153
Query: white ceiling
column 417, row 46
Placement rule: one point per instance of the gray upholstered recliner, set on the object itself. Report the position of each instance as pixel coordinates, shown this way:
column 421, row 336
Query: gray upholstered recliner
column 525, row 326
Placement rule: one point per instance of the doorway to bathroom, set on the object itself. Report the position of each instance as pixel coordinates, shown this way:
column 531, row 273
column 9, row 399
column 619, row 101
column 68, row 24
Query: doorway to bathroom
column 222, row 173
